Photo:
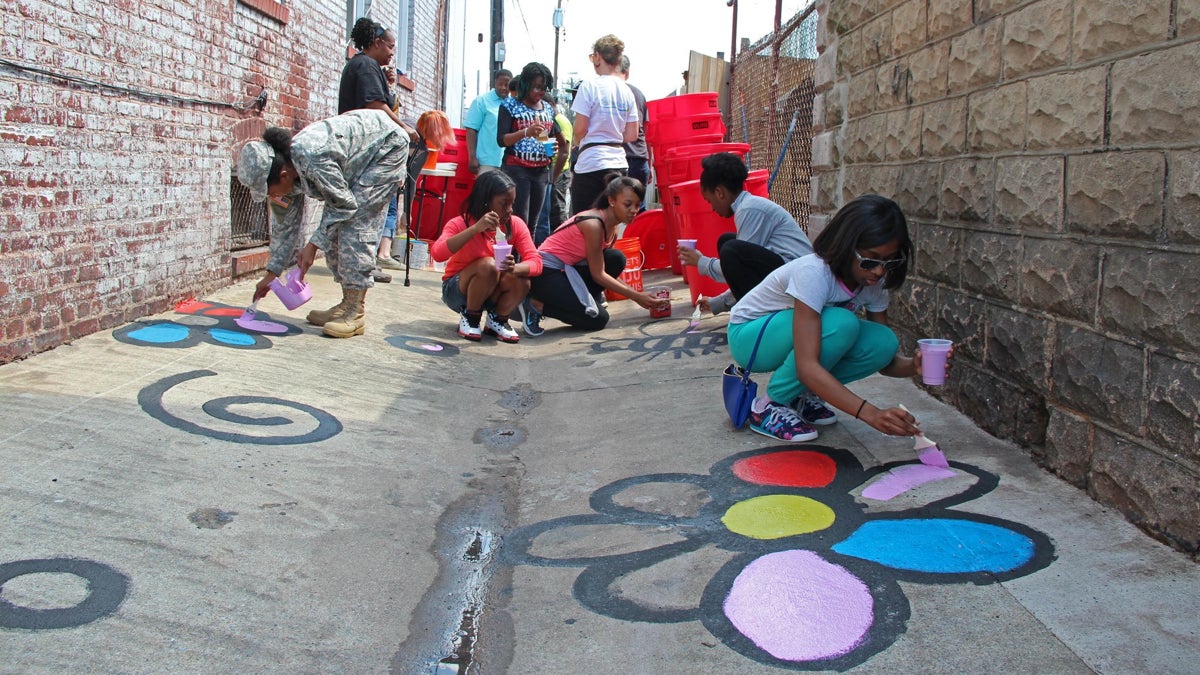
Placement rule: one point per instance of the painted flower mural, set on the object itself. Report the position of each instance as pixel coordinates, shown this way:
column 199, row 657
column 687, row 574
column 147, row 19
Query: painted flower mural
column 203, row 323
column 812, row 581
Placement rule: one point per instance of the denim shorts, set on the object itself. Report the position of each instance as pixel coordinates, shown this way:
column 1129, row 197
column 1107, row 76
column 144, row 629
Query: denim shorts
column 456, row 300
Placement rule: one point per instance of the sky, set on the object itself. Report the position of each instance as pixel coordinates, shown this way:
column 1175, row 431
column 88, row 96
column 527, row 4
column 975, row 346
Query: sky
column 658, row 34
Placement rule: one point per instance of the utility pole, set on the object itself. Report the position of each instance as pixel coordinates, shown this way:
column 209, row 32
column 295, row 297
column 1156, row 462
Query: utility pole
column 497, row 37
column 558, row 24
column 733, row 40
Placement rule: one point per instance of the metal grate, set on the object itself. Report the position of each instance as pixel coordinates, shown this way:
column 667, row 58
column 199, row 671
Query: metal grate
column 771, row 108
column 247, row 218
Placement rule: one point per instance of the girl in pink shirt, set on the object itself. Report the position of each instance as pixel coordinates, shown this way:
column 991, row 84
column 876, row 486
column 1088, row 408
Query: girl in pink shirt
column 475, row 280
column 580, row 263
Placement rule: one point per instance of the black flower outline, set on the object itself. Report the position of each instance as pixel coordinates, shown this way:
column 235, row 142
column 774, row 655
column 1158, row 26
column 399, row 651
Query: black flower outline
column 592, row 588
column 225, row 317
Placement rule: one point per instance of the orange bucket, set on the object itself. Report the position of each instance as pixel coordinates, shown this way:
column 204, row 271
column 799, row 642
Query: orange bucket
column 632, row 274
column 431, row 160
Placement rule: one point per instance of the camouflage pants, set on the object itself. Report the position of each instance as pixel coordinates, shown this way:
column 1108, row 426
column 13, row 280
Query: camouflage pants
column 352, row 243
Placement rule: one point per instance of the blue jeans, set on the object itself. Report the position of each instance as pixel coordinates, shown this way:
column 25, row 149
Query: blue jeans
column 851, row 349
column 393, row 216
column 639, row 168
column 531, row 192
column 543, row 222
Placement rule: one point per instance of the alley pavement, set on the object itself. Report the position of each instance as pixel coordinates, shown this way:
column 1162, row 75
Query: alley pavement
column 182, row 495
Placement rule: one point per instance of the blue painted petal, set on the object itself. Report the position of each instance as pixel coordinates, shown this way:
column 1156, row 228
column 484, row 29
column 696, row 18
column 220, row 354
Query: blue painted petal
column 160, row 333
column 939, row 545
column 230, row 337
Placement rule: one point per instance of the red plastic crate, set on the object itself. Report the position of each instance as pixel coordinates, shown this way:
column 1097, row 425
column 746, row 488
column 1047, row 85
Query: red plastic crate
column 698, row 221
column 690, row 130
column 683, row 105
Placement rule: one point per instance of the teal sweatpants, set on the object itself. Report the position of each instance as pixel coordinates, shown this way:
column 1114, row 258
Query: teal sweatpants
column 851, row 349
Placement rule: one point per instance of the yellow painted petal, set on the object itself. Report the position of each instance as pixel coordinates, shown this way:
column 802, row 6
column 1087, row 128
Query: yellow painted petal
column 777, row 516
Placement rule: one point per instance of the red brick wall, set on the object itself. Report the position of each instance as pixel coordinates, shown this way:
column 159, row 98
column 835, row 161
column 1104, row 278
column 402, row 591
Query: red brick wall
column 115, row 205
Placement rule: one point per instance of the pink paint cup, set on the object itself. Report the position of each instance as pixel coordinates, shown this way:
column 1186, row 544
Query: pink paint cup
column 933, row 360
column 291, row 291
column 686, row 243
column 501, row 253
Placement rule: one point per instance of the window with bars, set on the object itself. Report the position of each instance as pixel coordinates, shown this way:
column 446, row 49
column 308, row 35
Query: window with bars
column 248, row 219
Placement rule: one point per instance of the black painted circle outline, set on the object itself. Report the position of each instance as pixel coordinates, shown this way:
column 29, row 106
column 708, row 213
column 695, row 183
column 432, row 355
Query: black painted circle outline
column 412, row 343
column 107, row 589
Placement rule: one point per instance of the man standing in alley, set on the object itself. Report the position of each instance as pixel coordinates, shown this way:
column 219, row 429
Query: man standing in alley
column 636, row 153
column 483, row 154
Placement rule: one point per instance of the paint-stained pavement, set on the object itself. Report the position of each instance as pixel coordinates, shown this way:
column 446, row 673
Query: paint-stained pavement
column 291, row 503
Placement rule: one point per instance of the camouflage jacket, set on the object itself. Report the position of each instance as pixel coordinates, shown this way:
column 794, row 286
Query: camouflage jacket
column 330, row 156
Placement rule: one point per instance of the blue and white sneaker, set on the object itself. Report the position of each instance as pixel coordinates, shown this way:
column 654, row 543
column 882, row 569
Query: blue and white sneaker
column 780, row 421
column 814, row 411
column 531, row 318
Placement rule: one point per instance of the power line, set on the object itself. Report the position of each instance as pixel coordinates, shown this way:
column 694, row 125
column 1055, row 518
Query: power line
column 528, row 33
column 258, row 102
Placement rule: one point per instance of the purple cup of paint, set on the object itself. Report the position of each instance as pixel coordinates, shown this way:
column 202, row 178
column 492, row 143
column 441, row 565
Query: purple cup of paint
column 292, row 292
column 686, row 243
column 501, row 253
column 933, row 360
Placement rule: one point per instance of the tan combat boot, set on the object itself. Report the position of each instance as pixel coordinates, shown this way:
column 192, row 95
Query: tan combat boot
column 319, row 317
column 351, row 319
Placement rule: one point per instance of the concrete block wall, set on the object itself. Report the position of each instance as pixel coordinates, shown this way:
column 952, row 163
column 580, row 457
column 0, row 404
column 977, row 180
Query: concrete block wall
column 1048, row 157
column 115, row 201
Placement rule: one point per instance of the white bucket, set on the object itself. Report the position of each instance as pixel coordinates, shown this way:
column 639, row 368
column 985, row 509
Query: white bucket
column 419, row 256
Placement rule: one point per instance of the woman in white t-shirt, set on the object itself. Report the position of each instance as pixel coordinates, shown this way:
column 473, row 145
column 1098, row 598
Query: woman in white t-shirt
column 814, row 341
column 606, row 118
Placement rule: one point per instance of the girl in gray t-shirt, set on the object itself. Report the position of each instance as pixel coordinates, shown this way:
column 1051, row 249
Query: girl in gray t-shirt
column 813, row 340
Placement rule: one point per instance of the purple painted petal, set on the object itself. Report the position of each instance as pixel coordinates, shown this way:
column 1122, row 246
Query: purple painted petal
column 904, row 478
column 798, row 607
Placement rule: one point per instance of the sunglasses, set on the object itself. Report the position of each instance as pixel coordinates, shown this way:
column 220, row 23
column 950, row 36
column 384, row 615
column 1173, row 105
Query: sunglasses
column 868, row 264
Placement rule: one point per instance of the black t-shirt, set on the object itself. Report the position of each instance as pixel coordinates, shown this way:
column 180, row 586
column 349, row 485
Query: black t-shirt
column 638, row 148
column 363, row 82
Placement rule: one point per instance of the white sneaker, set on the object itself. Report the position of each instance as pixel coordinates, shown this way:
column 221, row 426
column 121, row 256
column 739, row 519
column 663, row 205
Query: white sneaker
column 502, row 331
column 465, row 329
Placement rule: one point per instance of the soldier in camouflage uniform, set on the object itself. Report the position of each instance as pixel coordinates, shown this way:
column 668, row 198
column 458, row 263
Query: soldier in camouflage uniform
column 351, row 162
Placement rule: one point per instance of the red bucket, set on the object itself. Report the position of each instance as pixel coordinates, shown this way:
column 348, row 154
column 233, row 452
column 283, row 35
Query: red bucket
column 650, row 228
column 671, row 221
column 756, row 183
column 667, row 132
column 682, row 163
column 698, row 221
column 683, row 105
column 632, row 275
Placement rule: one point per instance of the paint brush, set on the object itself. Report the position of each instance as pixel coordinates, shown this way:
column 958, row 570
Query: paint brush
column 928, row 452
column 696, row 314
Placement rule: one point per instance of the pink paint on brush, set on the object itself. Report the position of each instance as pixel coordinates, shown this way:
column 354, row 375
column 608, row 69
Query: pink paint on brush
column 904, row 478
column 928, row 452
column 931, row 456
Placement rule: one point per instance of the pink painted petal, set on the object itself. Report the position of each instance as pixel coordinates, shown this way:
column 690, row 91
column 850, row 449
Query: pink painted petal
column 798, row 607
column 904, row 478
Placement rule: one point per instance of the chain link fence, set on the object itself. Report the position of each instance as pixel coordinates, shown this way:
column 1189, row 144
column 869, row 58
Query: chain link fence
column 771, row 108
